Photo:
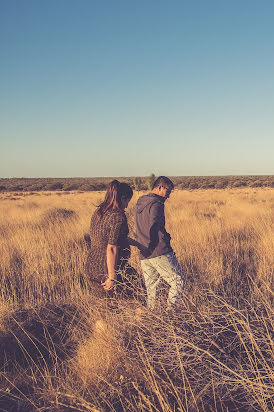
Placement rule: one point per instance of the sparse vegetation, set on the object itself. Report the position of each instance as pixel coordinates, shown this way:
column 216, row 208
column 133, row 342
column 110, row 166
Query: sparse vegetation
column 150, row 180
column 139, row 183
column 61, row 350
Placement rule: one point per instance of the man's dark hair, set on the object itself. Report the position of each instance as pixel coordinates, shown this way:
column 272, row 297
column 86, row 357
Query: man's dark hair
column 163, row 181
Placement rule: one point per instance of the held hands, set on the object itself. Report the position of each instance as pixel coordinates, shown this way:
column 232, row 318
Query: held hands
column 144, row 250
column 108, row 284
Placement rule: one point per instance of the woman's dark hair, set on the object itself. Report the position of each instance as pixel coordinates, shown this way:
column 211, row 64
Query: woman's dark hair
column 114, row 194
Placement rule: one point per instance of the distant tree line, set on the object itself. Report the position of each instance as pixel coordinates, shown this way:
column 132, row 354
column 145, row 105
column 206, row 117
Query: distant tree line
column 138, row 183
column 222, row 182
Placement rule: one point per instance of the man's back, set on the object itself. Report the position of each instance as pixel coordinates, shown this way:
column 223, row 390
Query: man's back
column 150, row 226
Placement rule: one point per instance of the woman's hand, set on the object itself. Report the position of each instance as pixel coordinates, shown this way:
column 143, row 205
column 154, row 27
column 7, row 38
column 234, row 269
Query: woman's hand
column 108, row 284
column 112, row 254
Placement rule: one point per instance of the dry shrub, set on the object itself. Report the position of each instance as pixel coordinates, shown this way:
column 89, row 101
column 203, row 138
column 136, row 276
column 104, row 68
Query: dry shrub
column 98, row 356
column 38, row 336
column 35, row 342
column 57, row 215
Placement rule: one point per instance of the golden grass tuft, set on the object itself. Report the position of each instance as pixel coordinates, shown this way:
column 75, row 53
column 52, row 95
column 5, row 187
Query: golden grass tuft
column 98, row 356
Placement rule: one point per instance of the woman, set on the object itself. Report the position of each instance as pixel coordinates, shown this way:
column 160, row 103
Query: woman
column 109, row 240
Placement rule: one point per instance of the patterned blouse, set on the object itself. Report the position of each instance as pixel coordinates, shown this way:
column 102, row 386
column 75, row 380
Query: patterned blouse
column 111, row 229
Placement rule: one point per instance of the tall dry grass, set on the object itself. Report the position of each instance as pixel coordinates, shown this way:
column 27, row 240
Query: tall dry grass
column 61, row 349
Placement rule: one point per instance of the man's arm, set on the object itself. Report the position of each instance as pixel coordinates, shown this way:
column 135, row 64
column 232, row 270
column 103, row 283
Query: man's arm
column 134, row 242
column 156, row 216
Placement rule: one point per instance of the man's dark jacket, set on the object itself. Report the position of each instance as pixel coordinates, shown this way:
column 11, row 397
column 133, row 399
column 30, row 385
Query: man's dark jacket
column 150, row 226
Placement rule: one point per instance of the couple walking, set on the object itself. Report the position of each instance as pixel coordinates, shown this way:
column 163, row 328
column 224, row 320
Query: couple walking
column 110, row 243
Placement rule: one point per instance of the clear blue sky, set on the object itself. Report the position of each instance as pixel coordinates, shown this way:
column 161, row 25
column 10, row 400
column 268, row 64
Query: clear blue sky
column 123, row 88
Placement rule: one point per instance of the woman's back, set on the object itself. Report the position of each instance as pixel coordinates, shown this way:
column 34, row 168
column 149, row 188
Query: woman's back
column 111, row 229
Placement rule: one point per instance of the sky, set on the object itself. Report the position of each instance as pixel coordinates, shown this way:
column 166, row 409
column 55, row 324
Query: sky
column 133, row 87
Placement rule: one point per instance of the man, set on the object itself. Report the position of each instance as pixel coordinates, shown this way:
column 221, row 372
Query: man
column 158, row 259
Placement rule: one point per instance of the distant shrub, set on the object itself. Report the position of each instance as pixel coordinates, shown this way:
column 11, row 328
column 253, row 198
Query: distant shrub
column 249, row 182
column 54, row 186
column 256, row 183
column 203, row 186
column 87, row 187
column 237, row 183
column 58, row 215
column 35, row 188
column 221, row 184
column 137, row 181
column 31, row 205
column 150, row 180
column 91, row 187
column 16, row 188
column 2, row 188
column 73, row 186
column 184, row 185
column 193, row 185
column 100, row 186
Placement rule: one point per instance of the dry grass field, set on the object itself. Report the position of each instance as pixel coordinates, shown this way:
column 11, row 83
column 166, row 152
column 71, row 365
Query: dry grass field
column 62, row 350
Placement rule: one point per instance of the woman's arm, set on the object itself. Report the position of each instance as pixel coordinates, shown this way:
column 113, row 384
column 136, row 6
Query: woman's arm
column 112, row 254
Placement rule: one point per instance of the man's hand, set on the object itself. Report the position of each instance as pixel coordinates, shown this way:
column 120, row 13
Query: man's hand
column 145, row 251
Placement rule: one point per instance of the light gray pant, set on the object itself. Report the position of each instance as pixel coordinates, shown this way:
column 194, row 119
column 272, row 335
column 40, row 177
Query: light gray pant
column 166, row 267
